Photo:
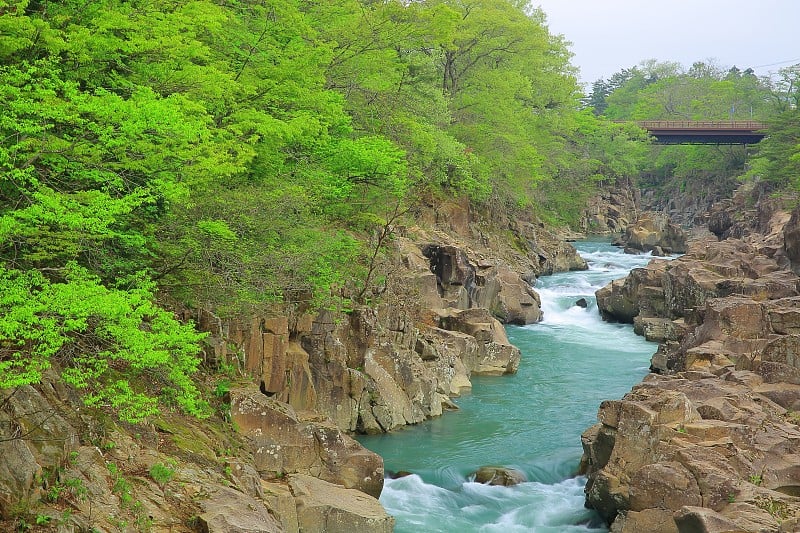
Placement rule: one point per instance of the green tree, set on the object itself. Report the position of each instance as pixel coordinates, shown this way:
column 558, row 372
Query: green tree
column 777, row 157
column 785, row 89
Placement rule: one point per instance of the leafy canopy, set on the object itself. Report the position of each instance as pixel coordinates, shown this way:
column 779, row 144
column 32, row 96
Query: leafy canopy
column 238, row 154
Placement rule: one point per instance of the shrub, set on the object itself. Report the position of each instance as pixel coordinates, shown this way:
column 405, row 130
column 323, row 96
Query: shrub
column 115, row 345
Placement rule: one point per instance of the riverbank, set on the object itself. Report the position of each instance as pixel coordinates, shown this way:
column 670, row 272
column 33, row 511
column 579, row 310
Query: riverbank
column 296, row 384
column 711, row 442
column 529, row 421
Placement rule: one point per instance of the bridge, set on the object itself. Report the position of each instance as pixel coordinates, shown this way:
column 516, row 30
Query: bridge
column 704, row 132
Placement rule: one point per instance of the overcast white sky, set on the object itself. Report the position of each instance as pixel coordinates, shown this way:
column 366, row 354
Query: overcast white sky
column 609, row 35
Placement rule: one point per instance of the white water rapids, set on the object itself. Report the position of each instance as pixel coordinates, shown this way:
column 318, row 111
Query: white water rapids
column 531, row 421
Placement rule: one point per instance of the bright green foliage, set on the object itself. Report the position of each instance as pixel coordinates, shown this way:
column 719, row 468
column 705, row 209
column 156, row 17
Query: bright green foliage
column 84, row 176
column 785, row 89
column 161, row 473
column 777, row 157
column 105, row 340
column 509, row 81
column 592, row 153
column 89, row 164
column 242, row 153
column 665, row 91
column 385, row 62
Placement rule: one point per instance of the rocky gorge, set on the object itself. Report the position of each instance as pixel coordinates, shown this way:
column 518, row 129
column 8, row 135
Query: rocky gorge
column 279, row 455
column 710, row 440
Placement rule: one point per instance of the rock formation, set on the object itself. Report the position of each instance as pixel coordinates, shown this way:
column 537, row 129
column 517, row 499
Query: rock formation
column 300, row 383
column 498, row 475
column 176, row 468
column 321, row 375
column 399, row 362
column 688, row 202
column 713, row 443
column 613, row 209
column 327, row 507
column 653, row 232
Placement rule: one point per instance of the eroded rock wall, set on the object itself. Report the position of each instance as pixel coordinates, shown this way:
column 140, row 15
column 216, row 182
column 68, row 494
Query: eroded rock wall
column 300, row 383
column 613, row 209
column 321, row 375
column 713, row 443
column 437, row 321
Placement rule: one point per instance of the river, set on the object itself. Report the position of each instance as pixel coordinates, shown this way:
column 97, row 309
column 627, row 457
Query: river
column 530, row 421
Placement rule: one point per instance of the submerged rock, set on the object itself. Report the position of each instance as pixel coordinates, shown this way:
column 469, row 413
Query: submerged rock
column 399, row 474
column 499, row 475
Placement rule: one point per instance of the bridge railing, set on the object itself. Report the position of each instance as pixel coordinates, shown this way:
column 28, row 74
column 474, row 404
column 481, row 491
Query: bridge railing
column 748, row 125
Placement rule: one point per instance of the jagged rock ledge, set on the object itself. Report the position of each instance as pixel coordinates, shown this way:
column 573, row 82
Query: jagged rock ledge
column 712, row 443
column 312, row 379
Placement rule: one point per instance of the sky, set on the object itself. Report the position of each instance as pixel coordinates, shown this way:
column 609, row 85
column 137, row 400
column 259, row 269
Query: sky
column 609, row 35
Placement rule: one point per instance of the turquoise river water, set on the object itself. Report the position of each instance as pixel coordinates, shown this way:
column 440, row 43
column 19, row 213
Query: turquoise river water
column 531, row 421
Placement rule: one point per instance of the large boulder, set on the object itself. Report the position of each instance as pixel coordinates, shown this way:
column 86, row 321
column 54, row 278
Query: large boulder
column 323, row 506
column 451, row 355
column 402, row 391
column 639, row 293
column 496, row 355
column 286, row 442
column 678, row 290
column 226, row 510
column 654, row 230
column 509, row 297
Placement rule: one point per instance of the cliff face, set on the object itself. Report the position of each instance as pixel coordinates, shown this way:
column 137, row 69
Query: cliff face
column 712, row 443
column 613, row 209
column 437, row 321
column 688, row 202
column 300, row 384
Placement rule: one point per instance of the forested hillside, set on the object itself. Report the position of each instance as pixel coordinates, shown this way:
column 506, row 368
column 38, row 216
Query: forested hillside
column 234, row 154
column 230, row 155
column 709, row 92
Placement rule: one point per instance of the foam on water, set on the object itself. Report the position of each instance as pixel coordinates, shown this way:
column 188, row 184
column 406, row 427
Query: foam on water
column 530, row 421
column 475, row 507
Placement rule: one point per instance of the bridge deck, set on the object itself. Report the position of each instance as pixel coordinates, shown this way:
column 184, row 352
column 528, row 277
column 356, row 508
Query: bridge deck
column 704, row 132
